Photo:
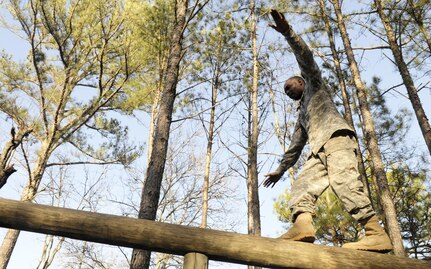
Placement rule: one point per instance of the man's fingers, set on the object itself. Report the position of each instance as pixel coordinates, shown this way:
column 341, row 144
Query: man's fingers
column 278, row 15
column 267, row 183
column 271, row 183
column 275, row 13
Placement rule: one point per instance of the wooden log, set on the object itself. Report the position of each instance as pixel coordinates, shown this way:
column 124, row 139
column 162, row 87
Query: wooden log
column 180, row 240
column 195, row 261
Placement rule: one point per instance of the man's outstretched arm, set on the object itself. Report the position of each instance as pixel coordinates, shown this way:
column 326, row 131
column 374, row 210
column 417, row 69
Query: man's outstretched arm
column 290, row 157
column 303, row 53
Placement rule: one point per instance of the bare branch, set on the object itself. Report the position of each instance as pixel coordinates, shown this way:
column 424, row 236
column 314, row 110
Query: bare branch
column 83, row 162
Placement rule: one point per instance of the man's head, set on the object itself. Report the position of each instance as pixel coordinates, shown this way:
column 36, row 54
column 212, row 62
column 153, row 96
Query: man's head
column 294, row 87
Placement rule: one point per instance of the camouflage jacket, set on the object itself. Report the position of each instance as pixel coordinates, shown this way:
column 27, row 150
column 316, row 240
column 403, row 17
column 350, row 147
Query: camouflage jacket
column 318, row 117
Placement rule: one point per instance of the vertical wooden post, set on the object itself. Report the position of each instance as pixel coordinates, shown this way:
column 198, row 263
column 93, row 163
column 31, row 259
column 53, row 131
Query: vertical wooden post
column 195, row 260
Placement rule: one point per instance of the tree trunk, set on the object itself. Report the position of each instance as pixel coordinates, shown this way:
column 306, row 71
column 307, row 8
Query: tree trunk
column 253, row 135
column 414, row 10
column 371, row 140
column 6, row 169
column 11, row 237
column 205, row 190
column 154, row 175
column 407, row 78
column 153, row 120
column 345, row 96
column 7, row 247
column 28, row 195
column 5, row 173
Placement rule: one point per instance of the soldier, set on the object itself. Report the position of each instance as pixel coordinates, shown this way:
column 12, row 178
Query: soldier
column 332, row 162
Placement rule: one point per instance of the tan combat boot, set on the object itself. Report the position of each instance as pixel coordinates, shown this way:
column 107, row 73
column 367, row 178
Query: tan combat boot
column 375, row 238
column 302, row 229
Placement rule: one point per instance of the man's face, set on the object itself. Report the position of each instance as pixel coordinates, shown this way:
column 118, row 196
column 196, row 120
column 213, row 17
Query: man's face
column 294, row 87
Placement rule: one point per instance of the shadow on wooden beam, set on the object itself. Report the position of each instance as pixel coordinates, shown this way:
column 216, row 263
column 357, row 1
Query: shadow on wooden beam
column 176, row 239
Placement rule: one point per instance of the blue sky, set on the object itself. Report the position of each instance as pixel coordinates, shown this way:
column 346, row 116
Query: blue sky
column 29, row 245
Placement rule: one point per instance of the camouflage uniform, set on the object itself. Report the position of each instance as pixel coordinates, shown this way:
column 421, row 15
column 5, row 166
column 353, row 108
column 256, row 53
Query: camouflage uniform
column 333, row 145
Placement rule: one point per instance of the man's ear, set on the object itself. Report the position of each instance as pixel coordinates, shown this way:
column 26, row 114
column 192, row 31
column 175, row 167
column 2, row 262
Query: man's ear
column 301, row 81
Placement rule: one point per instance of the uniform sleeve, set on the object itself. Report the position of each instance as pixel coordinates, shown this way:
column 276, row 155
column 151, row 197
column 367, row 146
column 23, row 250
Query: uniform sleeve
column 291, row 156
column 303, row 55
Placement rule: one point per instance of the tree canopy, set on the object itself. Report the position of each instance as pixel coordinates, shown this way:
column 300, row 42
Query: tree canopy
column 99, row 98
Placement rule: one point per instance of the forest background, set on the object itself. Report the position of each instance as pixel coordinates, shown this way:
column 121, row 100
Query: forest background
column 82, row 88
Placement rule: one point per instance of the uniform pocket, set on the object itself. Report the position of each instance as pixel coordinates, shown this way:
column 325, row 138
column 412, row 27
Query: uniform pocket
column 339, row 142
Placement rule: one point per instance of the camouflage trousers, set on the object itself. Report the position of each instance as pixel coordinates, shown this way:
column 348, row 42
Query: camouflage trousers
column 335, row 166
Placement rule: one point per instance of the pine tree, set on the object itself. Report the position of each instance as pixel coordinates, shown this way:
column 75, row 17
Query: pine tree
column 154, row 175
column 405, row 74
column 73, row 46
column 371, row 139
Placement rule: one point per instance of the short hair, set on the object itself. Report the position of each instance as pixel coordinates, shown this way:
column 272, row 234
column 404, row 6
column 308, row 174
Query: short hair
column 297, row 76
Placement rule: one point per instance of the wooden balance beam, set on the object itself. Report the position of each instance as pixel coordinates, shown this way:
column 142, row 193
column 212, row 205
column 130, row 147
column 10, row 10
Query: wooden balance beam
column 180, row 240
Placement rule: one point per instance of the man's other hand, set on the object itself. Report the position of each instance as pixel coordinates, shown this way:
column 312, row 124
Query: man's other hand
column 281, row 24
column 271, row 179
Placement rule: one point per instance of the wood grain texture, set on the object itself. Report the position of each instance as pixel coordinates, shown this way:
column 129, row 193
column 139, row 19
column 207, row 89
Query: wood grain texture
column 195, row 261
column 176, row 239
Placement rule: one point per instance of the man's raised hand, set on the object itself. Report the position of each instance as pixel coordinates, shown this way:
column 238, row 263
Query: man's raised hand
column 281, row 24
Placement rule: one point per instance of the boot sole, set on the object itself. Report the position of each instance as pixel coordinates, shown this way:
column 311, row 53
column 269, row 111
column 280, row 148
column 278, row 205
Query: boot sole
column 378, row 249
column 307, row 239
